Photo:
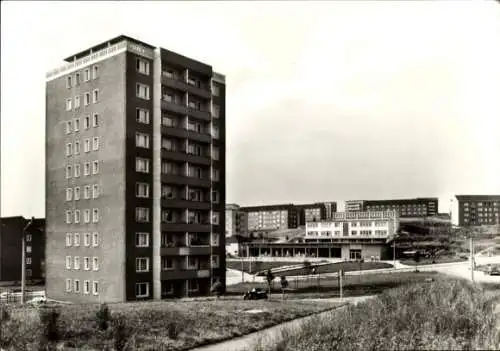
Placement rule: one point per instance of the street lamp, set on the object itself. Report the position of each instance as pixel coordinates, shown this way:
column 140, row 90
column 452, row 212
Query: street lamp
column 23, row 257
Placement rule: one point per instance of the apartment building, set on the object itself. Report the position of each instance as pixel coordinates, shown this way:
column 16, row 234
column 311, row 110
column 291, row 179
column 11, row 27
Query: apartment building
column 418, row 207
column 11, row 233
column 473, row 210
column 312, row 212
column 236, row 221
column 271, row 217
column 352, row 206
column 135, row 174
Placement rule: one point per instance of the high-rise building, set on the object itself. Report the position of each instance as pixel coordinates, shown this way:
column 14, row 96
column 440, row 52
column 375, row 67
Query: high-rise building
column 135, row 175
column 419, row 207
column 236, row 221
column 473, row 210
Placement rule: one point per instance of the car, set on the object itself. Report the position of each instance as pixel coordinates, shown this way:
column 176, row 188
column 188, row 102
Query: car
column 255, row 294
column 37, row 300
column 493, row 270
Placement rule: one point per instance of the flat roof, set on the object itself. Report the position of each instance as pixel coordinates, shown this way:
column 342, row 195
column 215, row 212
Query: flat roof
column 477, row 197
column 105, row 44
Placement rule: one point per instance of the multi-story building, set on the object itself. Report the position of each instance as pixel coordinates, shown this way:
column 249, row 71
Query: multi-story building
column 419, row 207
column 472, row 210
column 135, row 174
column 271, row 217
column 311, row 212
column 236, row 221
column 352, row 206
column 331, row 208
column 11, row 232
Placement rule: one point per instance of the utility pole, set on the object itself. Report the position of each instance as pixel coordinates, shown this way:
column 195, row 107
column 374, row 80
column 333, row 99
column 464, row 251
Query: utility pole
column 340, row 283
column 23, row 258
column 472, row 258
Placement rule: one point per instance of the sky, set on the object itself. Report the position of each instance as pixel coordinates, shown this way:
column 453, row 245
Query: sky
column 325, row 100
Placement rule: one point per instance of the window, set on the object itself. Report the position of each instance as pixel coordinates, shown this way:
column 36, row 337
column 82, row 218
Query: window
column 216, row 111
column 142, row 190
column 95, row 72
column 68, row 149
column 86, row 170
column 95, row 96
column 168, row 144
column 68, row 127
column 77, row 216
column 142, row 214
column 77, row 170
column 68, row 82
column 142, row 116
column 76, row 238
column 77, row 101
column 95, row 215
column 215, row 218
column 95, row 263
column 68, row 285
column 142, row 140
column 86, row 216
column 69, row 194
column 86, row 263
column 86, row 75
column 28, row 260
column 95, row 167
column 86, row 287
column 168, row 192
column 215, row 239
column 142, row 91
column 86, row 145
column 76, row 261
column 141, row 289
column 68, row 104
column 95, row 288
column 28, row 238
column 142, row 165
column 143, row 66
column 167, row 263
column 76, row 286
column 95, row 191
column 215, row 90
column 142, row 264
column 68, row 217
column 69, row 239
column 215, row 132
column 95, row 120
column 68, row 171
column 215, row 174
column 86, row 239
column 77, row 79
column 192, row 285
column 86, row 99
column 95, row 143
column 76, row 146
column 215, row 152
column 95, row 239
column 86, row 122
column 169, row 121
column 215, row 261
column 68, row 262
column 142, row 239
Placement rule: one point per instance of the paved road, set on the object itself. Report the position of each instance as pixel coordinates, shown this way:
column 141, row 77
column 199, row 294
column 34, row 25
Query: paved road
column 245, row 343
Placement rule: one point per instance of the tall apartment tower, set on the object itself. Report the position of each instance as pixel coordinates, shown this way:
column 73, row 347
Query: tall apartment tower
column 135, row 175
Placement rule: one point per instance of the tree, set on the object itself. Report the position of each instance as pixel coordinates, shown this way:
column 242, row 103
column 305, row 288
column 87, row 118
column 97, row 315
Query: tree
column 284, row 285
column 417, row 260
column 269, row 278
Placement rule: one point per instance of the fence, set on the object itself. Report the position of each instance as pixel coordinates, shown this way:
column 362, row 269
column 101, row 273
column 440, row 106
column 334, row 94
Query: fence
column 15, row 297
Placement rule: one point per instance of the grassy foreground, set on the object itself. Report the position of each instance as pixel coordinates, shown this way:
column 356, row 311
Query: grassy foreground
column 442, row 315
column 335, row 267
column 257, row 266
column 166, row 325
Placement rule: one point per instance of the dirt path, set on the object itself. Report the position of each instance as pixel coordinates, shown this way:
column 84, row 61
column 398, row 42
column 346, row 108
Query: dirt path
column 244, row 343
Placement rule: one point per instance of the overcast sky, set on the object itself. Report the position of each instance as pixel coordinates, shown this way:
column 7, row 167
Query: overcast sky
column 325, row 101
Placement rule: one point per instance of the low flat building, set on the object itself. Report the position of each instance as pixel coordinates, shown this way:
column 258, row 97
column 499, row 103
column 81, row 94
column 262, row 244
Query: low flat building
column 11, row 231
column 347, row 235
column 473, row 210
column 418, row 207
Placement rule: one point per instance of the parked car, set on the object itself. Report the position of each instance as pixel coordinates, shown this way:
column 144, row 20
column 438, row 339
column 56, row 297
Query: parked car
column 493, row 270
column 37, row 300
column 255, row 294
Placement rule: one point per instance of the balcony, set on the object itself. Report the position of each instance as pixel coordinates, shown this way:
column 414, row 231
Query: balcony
column 199, row 114
column 185, row 227
column 184, row 203
column 179, row 84
column 181, row 155
column 185, row 250
column 184, row 274
column 185, row 134
column 174, row 107
column 184, row 180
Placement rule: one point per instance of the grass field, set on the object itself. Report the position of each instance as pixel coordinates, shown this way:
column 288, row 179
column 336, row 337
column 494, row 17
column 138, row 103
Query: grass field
column 335, row 267
column 425, row 261
column 442, row 315
column 329, row 287
column 258, row 266
column 166, row 325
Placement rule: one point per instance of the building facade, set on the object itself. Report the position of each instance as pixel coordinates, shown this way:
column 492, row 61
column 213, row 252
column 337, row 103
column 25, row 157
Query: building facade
column 473, row 210
column 419, row 207
column 236, row 221
column 271, row 217
column 11, row 231
column 135, row 175
column 311, row 212
column 353, row 206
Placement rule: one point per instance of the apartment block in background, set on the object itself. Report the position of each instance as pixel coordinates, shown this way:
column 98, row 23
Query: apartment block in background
column 11, row 231
column 135, row 174
column 236, row 221
column 419, row 207
column 473, row 210
column 271, row 217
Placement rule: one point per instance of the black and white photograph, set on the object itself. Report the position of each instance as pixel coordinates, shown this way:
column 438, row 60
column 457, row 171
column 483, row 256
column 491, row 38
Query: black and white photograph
column 250, row 175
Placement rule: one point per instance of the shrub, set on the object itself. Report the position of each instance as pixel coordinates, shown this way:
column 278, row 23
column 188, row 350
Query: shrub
column 50, row 330
column 120, row 332
column 103, row 317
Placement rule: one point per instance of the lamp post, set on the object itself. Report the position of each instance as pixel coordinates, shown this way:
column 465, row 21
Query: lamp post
column 23, row 258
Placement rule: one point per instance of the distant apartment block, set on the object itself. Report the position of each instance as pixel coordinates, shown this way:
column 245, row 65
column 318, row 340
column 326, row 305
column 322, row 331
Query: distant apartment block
column 473, row 210
column 353, row 206
column 11, row 231
column 236, row 221
column 135, row 175
column 312, row 212
column 419, row 207
column 271, row 217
